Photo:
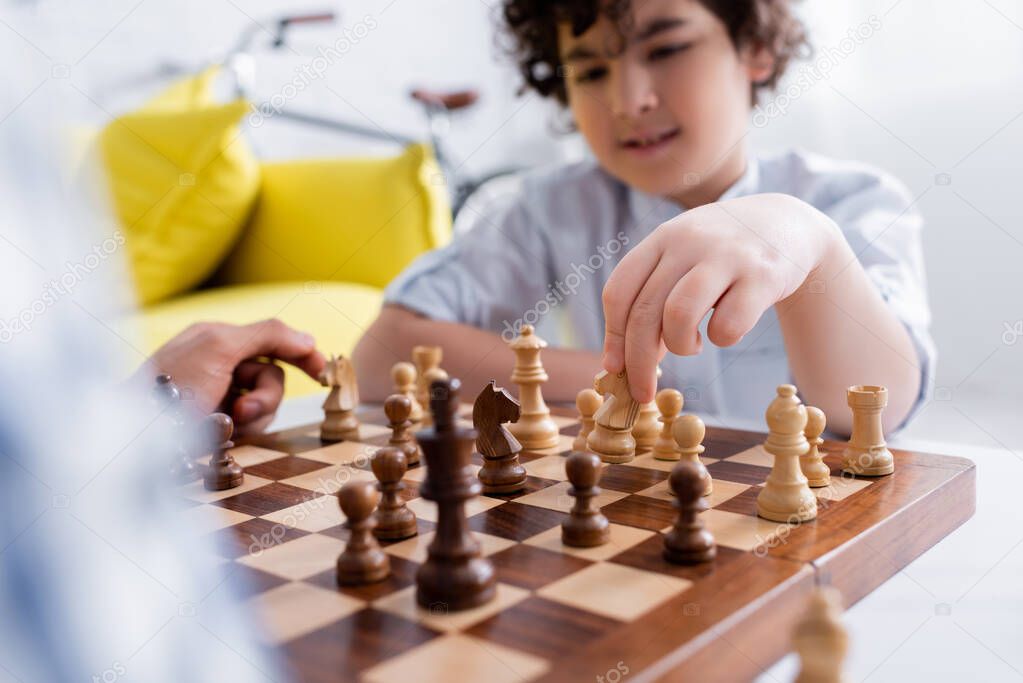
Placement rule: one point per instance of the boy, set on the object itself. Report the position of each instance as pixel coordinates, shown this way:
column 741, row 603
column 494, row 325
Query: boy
column 810, row 268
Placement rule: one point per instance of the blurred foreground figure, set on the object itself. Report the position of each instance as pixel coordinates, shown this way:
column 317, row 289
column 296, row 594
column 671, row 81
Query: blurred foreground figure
column 101, row 576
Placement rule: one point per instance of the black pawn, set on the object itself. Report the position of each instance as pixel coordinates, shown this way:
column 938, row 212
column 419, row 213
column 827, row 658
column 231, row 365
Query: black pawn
column 362, row 560
column 223, row 472
column 394, row 519
column 688, row 541
column 585, row 525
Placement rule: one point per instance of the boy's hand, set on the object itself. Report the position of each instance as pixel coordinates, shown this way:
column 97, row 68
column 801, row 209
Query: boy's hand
column 738, row 257
column 232, row 368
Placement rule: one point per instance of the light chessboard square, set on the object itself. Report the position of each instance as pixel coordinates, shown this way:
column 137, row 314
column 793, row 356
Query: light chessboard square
column 312, row 515
column 403, row 603
column 298, row 559
column 648, row 461
column 195, row 490
column 621, row 539
column 203, row 519
column 343, row 453
column 740, row 531
column 753, row 456
column 722, row 490
column 472, row 658
column 427, row 509
column 330, row 479
column 614, row 590
column 414, row 549
column 294, row 609
column 556, row 497
column 547, row 467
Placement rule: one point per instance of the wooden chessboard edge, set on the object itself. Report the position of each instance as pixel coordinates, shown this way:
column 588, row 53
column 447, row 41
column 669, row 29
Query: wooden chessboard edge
column 910, row 532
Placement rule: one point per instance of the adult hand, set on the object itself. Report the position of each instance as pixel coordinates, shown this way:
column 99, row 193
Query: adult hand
column 232, row 367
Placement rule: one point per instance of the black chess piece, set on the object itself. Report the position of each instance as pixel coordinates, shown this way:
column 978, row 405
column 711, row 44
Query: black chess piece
column 394, row 519
column 182, row 465
column 586, row 526
column 362, row 561
column 501, row 471
column 455, row 575
column 688, row 541
column 223, row 472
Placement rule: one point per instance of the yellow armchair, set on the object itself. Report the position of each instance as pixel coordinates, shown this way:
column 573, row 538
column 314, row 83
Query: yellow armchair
column 323, row 239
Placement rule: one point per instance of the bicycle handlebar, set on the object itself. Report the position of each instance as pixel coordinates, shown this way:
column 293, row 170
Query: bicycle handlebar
column 323, row 17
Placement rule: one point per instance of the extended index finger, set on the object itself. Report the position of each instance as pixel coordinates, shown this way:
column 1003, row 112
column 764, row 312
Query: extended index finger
column 274, row 339
column 620, row 291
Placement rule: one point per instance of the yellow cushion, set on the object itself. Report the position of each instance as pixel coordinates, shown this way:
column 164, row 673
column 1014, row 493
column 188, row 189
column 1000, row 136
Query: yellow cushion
column 334, row 313
column 354, row 220
column 182, row 184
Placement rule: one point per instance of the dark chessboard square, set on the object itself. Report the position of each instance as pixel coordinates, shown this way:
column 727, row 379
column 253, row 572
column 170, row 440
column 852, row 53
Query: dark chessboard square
column 282, row 468
column 342, row 650
column 738, row 472
column 565, row 629
column 267, row 499
column 834, row 463
column 745, row 503
column 252, row 536
column 629, row 479
column 531, row 567
column 245, row 582
column 722, row 443
column 533, row 484
column 515, row 521
column 648, row 555
column 571, row 429
column 403, row 574
column 641, row 511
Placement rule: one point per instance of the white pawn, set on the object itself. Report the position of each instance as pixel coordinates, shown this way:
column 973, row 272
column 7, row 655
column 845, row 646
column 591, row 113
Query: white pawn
column 786, row 497
column 817, row 473
column 404, row 376
column 669, row 402
column 426, row 358
column 689, row 431
column 587, row 402
column 820, row 639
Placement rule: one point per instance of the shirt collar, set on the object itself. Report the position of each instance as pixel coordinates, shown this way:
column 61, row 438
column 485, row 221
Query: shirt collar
column 648, row 211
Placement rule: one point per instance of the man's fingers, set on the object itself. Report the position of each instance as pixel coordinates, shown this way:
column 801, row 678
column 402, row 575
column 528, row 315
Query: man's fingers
column 265, row 385
column 622, row 288
column 738, row 311
column 687, row 304
column 643, row 334
column 274, row 339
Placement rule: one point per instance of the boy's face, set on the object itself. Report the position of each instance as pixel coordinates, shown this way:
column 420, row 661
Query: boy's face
column 665, row 109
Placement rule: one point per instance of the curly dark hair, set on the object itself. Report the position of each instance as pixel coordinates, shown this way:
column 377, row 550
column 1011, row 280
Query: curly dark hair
column 533, row 27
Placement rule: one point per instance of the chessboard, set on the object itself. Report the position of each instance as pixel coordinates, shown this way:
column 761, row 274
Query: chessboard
column 562, row 614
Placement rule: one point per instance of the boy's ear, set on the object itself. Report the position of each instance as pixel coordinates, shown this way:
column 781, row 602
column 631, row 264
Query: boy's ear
column 759, row 63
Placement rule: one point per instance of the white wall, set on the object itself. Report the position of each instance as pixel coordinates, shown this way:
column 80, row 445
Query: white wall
column 936, row 89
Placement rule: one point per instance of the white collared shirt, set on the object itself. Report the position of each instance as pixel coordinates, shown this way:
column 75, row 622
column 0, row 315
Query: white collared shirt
column 543, row 255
